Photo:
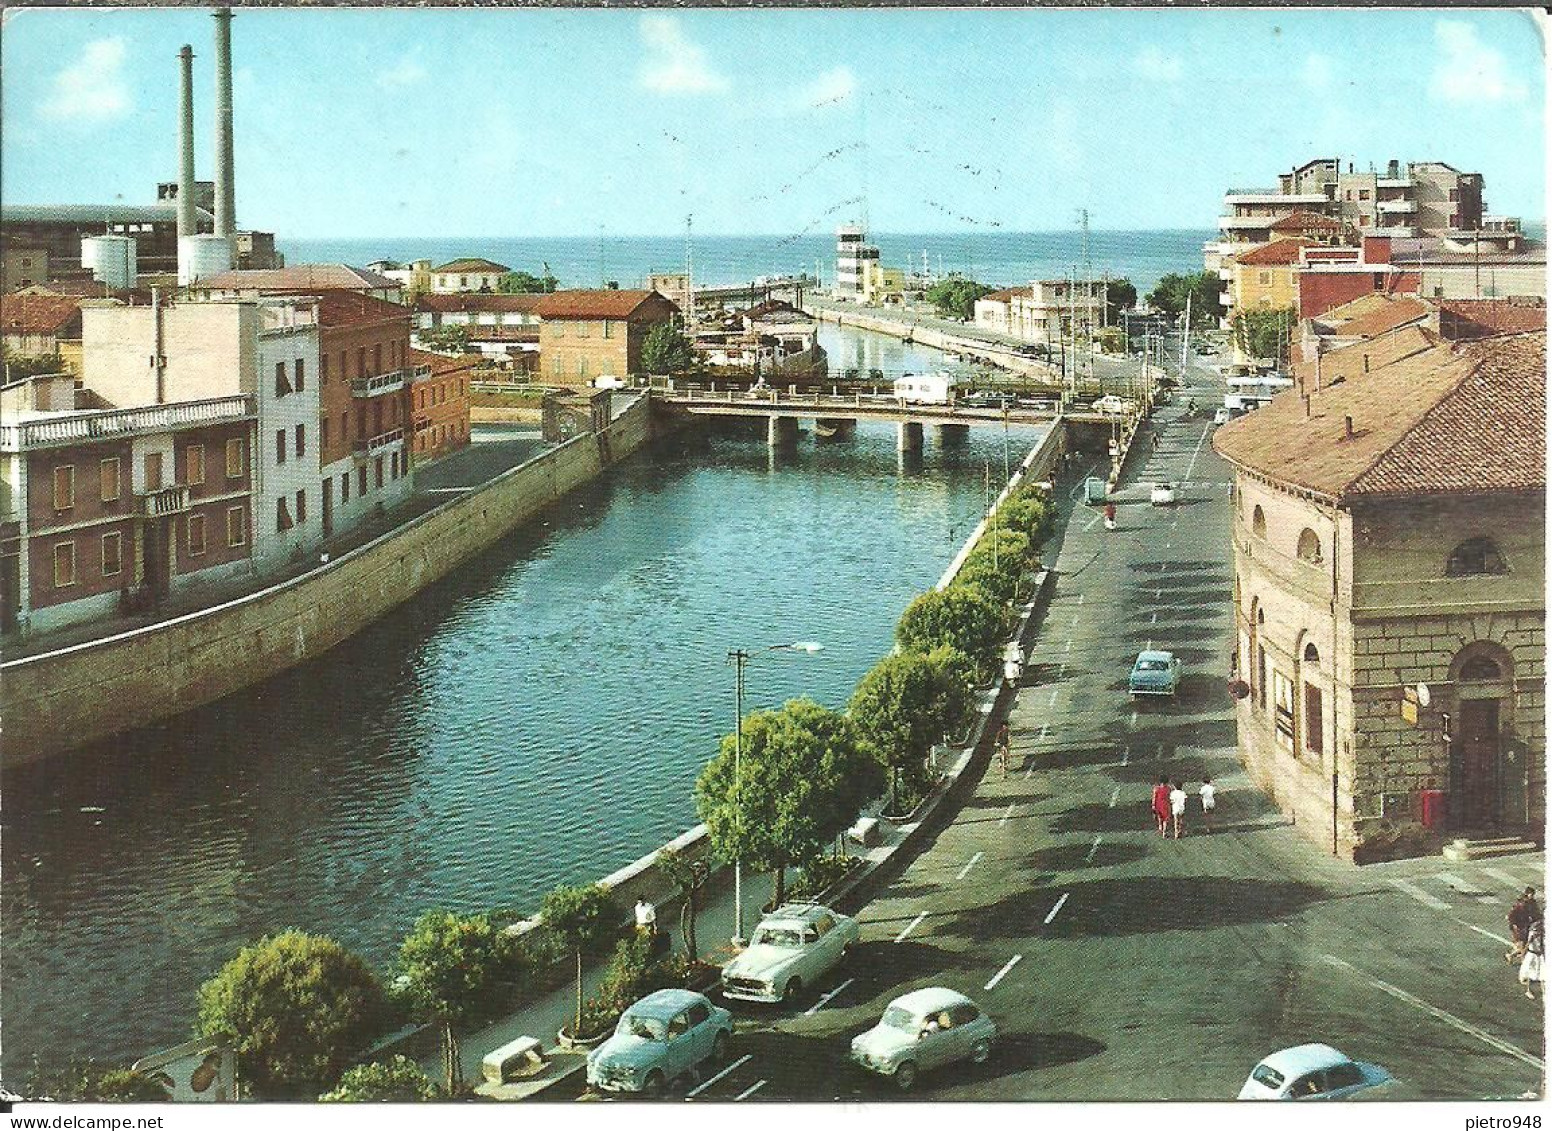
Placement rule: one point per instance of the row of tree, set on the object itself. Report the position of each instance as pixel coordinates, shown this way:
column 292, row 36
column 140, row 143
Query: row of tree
column 1203, row 291
column 1265, row 333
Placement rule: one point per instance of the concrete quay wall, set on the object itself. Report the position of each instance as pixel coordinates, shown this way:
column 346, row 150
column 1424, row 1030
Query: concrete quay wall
column 60, row 700
column 1000, row 355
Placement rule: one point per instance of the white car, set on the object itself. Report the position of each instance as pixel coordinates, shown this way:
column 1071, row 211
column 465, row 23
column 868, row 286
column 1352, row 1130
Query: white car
column 1311, row 1072
column 925, row 1029
column 1162, row 494
column 793, row 947
column 1112, row 406
column 1222, row 416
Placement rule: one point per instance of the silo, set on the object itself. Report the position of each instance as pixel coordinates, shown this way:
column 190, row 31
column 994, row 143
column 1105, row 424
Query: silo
column 199, row 257
column 113, row 260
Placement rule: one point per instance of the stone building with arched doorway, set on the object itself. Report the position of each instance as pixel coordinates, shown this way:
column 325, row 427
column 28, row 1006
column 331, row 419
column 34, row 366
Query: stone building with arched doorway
column 1389, row 532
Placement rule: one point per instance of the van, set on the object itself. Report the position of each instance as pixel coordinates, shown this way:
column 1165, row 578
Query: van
column 925, row 388
column 608, row 383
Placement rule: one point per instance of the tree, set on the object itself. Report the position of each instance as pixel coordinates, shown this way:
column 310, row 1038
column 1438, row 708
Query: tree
column 688, row 876
column 962, row 616
column 19, row 366
column 398, row 1081
column 1264, row 333
column 998, row 563
column 78, row 1081
column 955, row 297
column 909, row 701
column 581, row 917
column 1203, row 290
column 522, row 283
column 445, row 339
column 666, row 350
column 296, row 1007
column 451, row 966
column 799, row 782
column 1120, row 295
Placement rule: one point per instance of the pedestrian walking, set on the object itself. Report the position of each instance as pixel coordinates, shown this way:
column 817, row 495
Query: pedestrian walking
column 1155, row 441
column 1522, row 914
column 1161, row 806
column 1110, row 513
column 1177, row 807
column 1004, row 745
column 646, row 919
column 1533, row 965
column 1209, row 803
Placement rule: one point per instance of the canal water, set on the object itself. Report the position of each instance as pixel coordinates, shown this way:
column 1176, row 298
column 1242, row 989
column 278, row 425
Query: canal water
column 538, row 717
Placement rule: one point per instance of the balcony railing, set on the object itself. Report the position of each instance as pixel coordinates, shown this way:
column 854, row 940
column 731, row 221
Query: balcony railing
column 76, row 428
column 379, row 442
column 390, row 382
column 163, row 501
column 1397, row 205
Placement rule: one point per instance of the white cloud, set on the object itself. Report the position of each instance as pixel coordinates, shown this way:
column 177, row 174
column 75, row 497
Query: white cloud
column 91, row 89
column 1318, row 73
column 1468, row 69
column 406, row 72
column 837, row 85
column 674, row 64
column 1153, row 64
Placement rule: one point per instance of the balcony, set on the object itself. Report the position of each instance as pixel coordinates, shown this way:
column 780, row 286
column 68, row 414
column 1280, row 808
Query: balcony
column 58, row 430
column 1273, row 196
column 1247, row 223
column 379, row 443
column 1397, row 206
column 391, row 382
column 163, row 501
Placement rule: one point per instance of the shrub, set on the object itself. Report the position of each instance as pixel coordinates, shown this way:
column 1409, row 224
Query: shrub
column 86, row 1081
column 963, row 617
column 400, row 1080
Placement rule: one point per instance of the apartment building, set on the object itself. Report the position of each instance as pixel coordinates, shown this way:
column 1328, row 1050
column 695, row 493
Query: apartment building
column 853, row 256
column 1439, row 268
column 468, row 274
column 441, row 404
column 505, row 327
column 42, row 326
column 585, row 335
column 1047, row 311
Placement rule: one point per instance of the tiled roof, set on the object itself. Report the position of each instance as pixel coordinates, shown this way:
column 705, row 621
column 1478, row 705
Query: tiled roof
column 475, row 302
column 1395, row 313
column 1339, row 316
column 305, row 278
column 1278, row 253
column 470, row 267
column 1459, row 418
column 442, row 363
column 38, row 314
column 1005, row 294
column 352, row 308
column 1480, row 318
column 1350, row 361
column 1305, row 221
column 603, row 304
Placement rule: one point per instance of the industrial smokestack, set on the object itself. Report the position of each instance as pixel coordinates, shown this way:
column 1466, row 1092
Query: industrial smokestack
column 226, row 208
column 186, row 224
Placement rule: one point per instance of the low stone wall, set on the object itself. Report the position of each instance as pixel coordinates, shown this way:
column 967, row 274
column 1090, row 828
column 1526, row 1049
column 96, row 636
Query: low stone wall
column 67, row 698
column 1036, row 467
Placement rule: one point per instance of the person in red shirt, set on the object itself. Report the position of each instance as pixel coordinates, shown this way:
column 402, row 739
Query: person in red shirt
column 1110, row 516
column 1161, row 805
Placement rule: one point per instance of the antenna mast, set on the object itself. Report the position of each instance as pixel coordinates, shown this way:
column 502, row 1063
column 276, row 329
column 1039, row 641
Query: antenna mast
column 689, row 275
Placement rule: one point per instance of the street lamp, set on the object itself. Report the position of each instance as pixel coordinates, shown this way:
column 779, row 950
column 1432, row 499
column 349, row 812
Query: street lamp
column 738, row 657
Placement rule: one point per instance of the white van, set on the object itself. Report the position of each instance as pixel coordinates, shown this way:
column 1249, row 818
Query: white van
column 607, row 382
column 1266, row 384
column 926, row 388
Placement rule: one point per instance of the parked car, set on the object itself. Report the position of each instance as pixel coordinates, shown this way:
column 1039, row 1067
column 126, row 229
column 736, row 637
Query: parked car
column 1112, row 405
column 1154, row 673
column 923, row 1030
column 1222, row 416
column 659, row 1039
column 1311, row 1072
column 794, row 946
column 985, row 398
column 1162, row 494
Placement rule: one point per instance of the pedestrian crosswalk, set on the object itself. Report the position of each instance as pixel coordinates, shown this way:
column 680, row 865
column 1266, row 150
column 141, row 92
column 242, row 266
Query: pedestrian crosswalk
column 1463, row 884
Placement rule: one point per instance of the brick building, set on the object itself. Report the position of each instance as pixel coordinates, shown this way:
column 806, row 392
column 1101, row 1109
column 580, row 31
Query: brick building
column 502, row 327
column 441, row 405
column 1388, row 533
column 585, row 335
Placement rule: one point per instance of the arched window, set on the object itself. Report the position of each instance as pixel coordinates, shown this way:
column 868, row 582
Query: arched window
column 1314, row 707
column 1311, row 654
column 1475, row 556
column 1309, row 546
column 1480, row 667
column 1258, row 522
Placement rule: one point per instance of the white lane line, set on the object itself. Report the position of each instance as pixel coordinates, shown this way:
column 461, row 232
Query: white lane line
column 1090, row 524
column 1058, row 907
column 1131, row 722
column 1093, row 848
column 1154, row 619
column 1504, row 878
column 1482, row 931
column 1420, row 895
column 825, row 999
column 1003, row 973
column 699, row 1088
column 965, row 871
column 914, row 923
column 1439, row 1014
column 1465, row 887
column 1008, row 812
column 1192, row 466
column 1114, row 795
column 1054, row 692
column 749, row 1091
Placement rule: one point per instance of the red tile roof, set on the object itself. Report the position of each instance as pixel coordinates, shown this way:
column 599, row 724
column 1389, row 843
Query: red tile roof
column 1005, row 294
column 470, row 266
column 602, row 305
column 304, row 278
column 477, row 302
column 351, row 308
column 39, row 314
column 1396, row 312
column 1278, row 253
column 1305, row 221
column 1480, row 318
column 442, row 363
column 1448, row 419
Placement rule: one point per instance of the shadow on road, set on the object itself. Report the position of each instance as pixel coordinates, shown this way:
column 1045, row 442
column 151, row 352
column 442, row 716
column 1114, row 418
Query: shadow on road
column 1070, row 857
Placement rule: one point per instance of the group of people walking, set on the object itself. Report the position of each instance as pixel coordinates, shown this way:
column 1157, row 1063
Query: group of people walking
column 1169, row 806
column 1527, row 941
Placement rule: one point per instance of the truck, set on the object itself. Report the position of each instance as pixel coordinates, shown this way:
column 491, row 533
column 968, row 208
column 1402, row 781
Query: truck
column 926, row 388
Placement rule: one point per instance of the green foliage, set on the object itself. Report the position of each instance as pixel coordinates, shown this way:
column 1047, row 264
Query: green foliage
column 955, row 297
column 687, row 876
column 634, row 972
column 296, row 1007
column 398, row 1081
column 1120, row 295
column 1203, row 287
column 1264, row 333
column 582, row 917
column 909, row 701
column 445, row 339
column 999, row 563
column 666, row 350
column 962, row 617
column 1029, row 511
column 86, row 1081
column 20, row 365
column 522, row 283
column 453, row 966
column 1111, row 339
column 819, row 876
column 802, row 778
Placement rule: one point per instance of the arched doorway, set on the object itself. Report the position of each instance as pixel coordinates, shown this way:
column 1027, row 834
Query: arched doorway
column 1486, row 786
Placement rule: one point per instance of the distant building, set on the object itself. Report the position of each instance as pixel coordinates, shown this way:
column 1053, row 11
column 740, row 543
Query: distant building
column 303, row 279
column 441, row 404
column 502, row 327
column 204, row 194
column 40, row 325
column 674, row 286
column 1389, row 534
column 584, row 335
column 467, row 275
column 882, row 284
column 22, row 266
column 57, row 230
column 1045, row 312
column 1433, row 268
column 853, row 255
column 414, row 277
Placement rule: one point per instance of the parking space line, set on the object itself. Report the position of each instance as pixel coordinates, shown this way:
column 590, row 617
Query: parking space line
column 1131, row 722
column 1093, row 848
column 1058, row 907
column 1003, row 973
column 1008, row 812
column 1504, row 878
column 1482, row 931
column 1080, row 600
column 1114, row 794
column 1126, row 755
column 701, row 1087
column 1465, row 887
column 911, row 926
column 1055, row 691
column 749, row 1091
column 963, row 872
column 825, row 999
column 1420, row 895
column 1154, row 619
column 1090, row 524
column 1439, row 1014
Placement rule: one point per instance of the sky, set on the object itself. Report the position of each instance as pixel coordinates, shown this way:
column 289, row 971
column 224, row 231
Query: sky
column 358, row 123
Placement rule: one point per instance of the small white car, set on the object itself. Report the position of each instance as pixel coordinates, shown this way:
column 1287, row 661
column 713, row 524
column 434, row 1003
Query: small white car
column 1222, row 416
column 1112, row 405
column 794, row 947
column 659, row 1039
column 1311, row 1072
column 607, row 382
column 923, row 1030
column 1162, row 494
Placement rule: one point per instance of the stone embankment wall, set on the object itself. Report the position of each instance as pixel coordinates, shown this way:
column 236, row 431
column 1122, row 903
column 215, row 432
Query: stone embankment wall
column 999, row 355
column 67, row 698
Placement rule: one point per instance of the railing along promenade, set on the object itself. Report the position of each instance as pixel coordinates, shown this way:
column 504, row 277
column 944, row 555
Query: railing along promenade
column 57, row 431
column 865, row 406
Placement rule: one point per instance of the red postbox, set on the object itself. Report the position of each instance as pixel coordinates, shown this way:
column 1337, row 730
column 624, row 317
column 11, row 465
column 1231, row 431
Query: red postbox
column 1433, row 808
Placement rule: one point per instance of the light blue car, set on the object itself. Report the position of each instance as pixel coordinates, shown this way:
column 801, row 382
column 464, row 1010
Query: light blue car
column 660, row 1038
column 1154, row 673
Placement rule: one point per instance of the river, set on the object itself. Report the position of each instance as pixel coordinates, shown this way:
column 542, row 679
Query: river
column 538, row 717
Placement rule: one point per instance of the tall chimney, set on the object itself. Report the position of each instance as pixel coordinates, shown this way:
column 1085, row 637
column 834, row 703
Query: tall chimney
column 226, row 208
column 186, row 224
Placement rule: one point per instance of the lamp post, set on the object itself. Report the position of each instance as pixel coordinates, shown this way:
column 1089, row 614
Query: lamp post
column 738, row 657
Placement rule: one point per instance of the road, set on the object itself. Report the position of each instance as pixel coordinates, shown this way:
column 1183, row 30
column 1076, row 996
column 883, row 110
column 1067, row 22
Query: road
column 1120, row 966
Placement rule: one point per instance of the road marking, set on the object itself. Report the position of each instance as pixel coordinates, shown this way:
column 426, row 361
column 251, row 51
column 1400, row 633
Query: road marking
column 1154, row 619
column 963, row 872
column 1504, row 878
column 1439, row 1014
column 1068, row 649
column 1001, row 974
column 1463, row 886
column 749, row 1091
column 825, row 999
column 699, row 1088
column 1483, row 931
column 1198, row 451
column 1074, row 620
column 1029, row 771
column 1054, row 692
column 1420, row 895
column 914, row 923
column 1080, row 600
column 1059, row 903
column 1007, row 813
column 1090, row 524
column 1043, row 728
column 1093, row 848
column 1131, row 722
column 1157, row 593
column 1114, row 794
column 1126, row 755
